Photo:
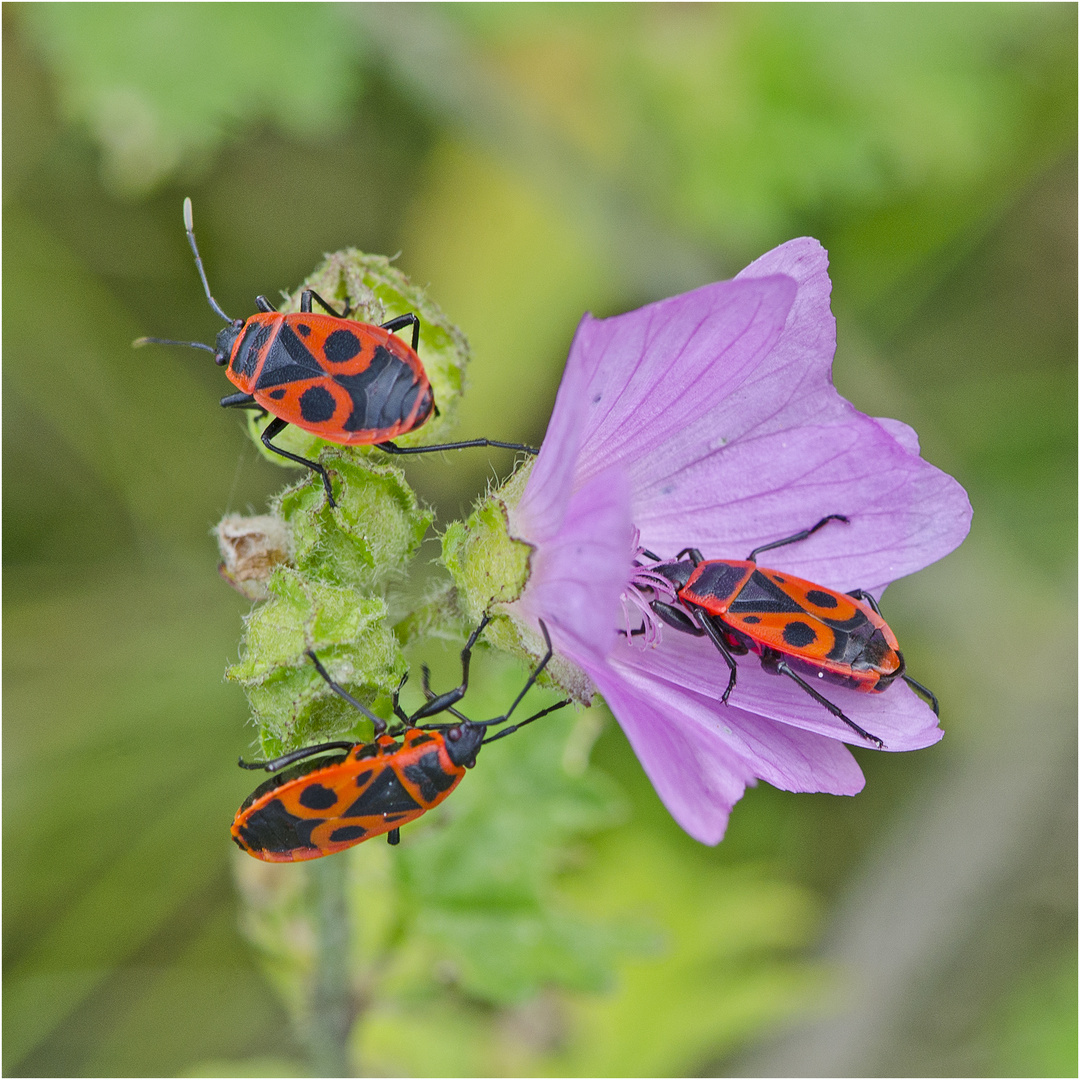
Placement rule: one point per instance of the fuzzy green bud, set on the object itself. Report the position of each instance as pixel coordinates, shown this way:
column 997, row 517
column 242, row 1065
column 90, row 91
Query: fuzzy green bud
column 369, row 538
column 490, row 568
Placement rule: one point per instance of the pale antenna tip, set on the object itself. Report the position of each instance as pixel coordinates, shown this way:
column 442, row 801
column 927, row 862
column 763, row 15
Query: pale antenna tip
column 139, row 342
column 189, row 220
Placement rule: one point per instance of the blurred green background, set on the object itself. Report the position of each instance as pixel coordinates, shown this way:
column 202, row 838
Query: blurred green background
column 532, row 162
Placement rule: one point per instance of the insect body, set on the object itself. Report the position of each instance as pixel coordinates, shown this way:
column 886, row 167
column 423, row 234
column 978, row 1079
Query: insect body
column 322, row 804
column 330, row 803
column 788, row 622
column 346, row 381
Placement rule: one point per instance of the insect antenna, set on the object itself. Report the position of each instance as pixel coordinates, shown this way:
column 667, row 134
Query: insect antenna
column 138, row 343
column 189, row 225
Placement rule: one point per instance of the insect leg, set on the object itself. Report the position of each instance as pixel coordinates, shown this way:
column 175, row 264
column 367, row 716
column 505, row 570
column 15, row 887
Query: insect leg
column 393, row 448
column 393, row 836
column 866, row 598
column 777, row 665
column 752, row 557
column 310, row 294
column 717, row 638
column 442, row 702
column 927, row 693
column 380, row 724
column 401, row 322
column 296, row 755
column 695, row 556
column 275, row 427
column 240, row 401
column 263, row 304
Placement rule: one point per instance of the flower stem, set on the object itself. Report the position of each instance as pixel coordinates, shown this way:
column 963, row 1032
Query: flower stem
column 330, row 1010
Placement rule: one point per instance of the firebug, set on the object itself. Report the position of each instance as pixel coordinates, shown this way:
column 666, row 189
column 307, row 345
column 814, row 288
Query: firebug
column 322, row 804
column 788, row 622
column 346, row 381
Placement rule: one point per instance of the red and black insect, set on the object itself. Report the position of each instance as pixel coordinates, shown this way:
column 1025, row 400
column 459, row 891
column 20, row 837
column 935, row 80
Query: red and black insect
column 346, row 381
column 786, row 621
column 326, row 804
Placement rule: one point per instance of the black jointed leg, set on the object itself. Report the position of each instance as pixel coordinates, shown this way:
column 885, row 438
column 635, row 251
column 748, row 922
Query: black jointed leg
column 442, row 702
column 775, row 664
column 264, row 305
column 676, row 618
column 393, row 836
column 399, row 712
column 310, row 294
column 380, row 724
column 717, row 638
column 534, row 675
column 926, row 692
column 694, row 555
column 275, row 427
column 296, row 755
column 392, row 448
column 752, row 557
column 866, row 598
column 239, row 400
column 401, row 322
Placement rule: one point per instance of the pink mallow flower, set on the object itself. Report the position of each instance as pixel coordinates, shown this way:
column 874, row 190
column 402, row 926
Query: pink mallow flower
column 709, row 420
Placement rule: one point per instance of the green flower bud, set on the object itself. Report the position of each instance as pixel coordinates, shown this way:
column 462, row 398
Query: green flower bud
column 289, row 699
column 490, row 569
column 369, row 538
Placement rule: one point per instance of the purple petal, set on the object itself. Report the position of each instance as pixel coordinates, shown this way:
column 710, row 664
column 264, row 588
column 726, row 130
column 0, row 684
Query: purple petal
column 698, row 780
column 654, row 371
column 554, row 474
column 905, row 514
column 701, row 756
column 784, row 449
column 577, row 577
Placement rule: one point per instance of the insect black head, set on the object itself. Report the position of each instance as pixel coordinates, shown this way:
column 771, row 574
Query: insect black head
column 678, row 573
column 463, row 742
column 226, row 339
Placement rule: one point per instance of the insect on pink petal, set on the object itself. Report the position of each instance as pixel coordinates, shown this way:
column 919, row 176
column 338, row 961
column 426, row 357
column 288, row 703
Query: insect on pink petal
column 709, row 421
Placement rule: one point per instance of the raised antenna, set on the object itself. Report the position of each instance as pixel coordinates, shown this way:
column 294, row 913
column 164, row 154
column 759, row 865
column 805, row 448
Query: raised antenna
column 139, row 342
column 189, row 225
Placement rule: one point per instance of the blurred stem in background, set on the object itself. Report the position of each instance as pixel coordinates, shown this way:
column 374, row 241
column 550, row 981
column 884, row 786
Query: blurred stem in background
column 530, row 163
column 331, row 1011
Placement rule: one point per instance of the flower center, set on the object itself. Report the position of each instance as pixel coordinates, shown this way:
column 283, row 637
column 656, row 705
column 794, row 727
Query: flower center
column 645, row 586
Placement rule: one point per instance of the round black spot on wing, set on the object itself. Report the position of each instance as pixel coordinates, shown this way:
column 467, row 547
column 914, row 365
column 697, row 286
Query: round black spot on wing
column 317, row 797
column 277, row 395
column 821, row 599
column 347, row 832
column 751, row 619
column 317, row 404
column 798, row 634
column 340, row 346
column 303, row 329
